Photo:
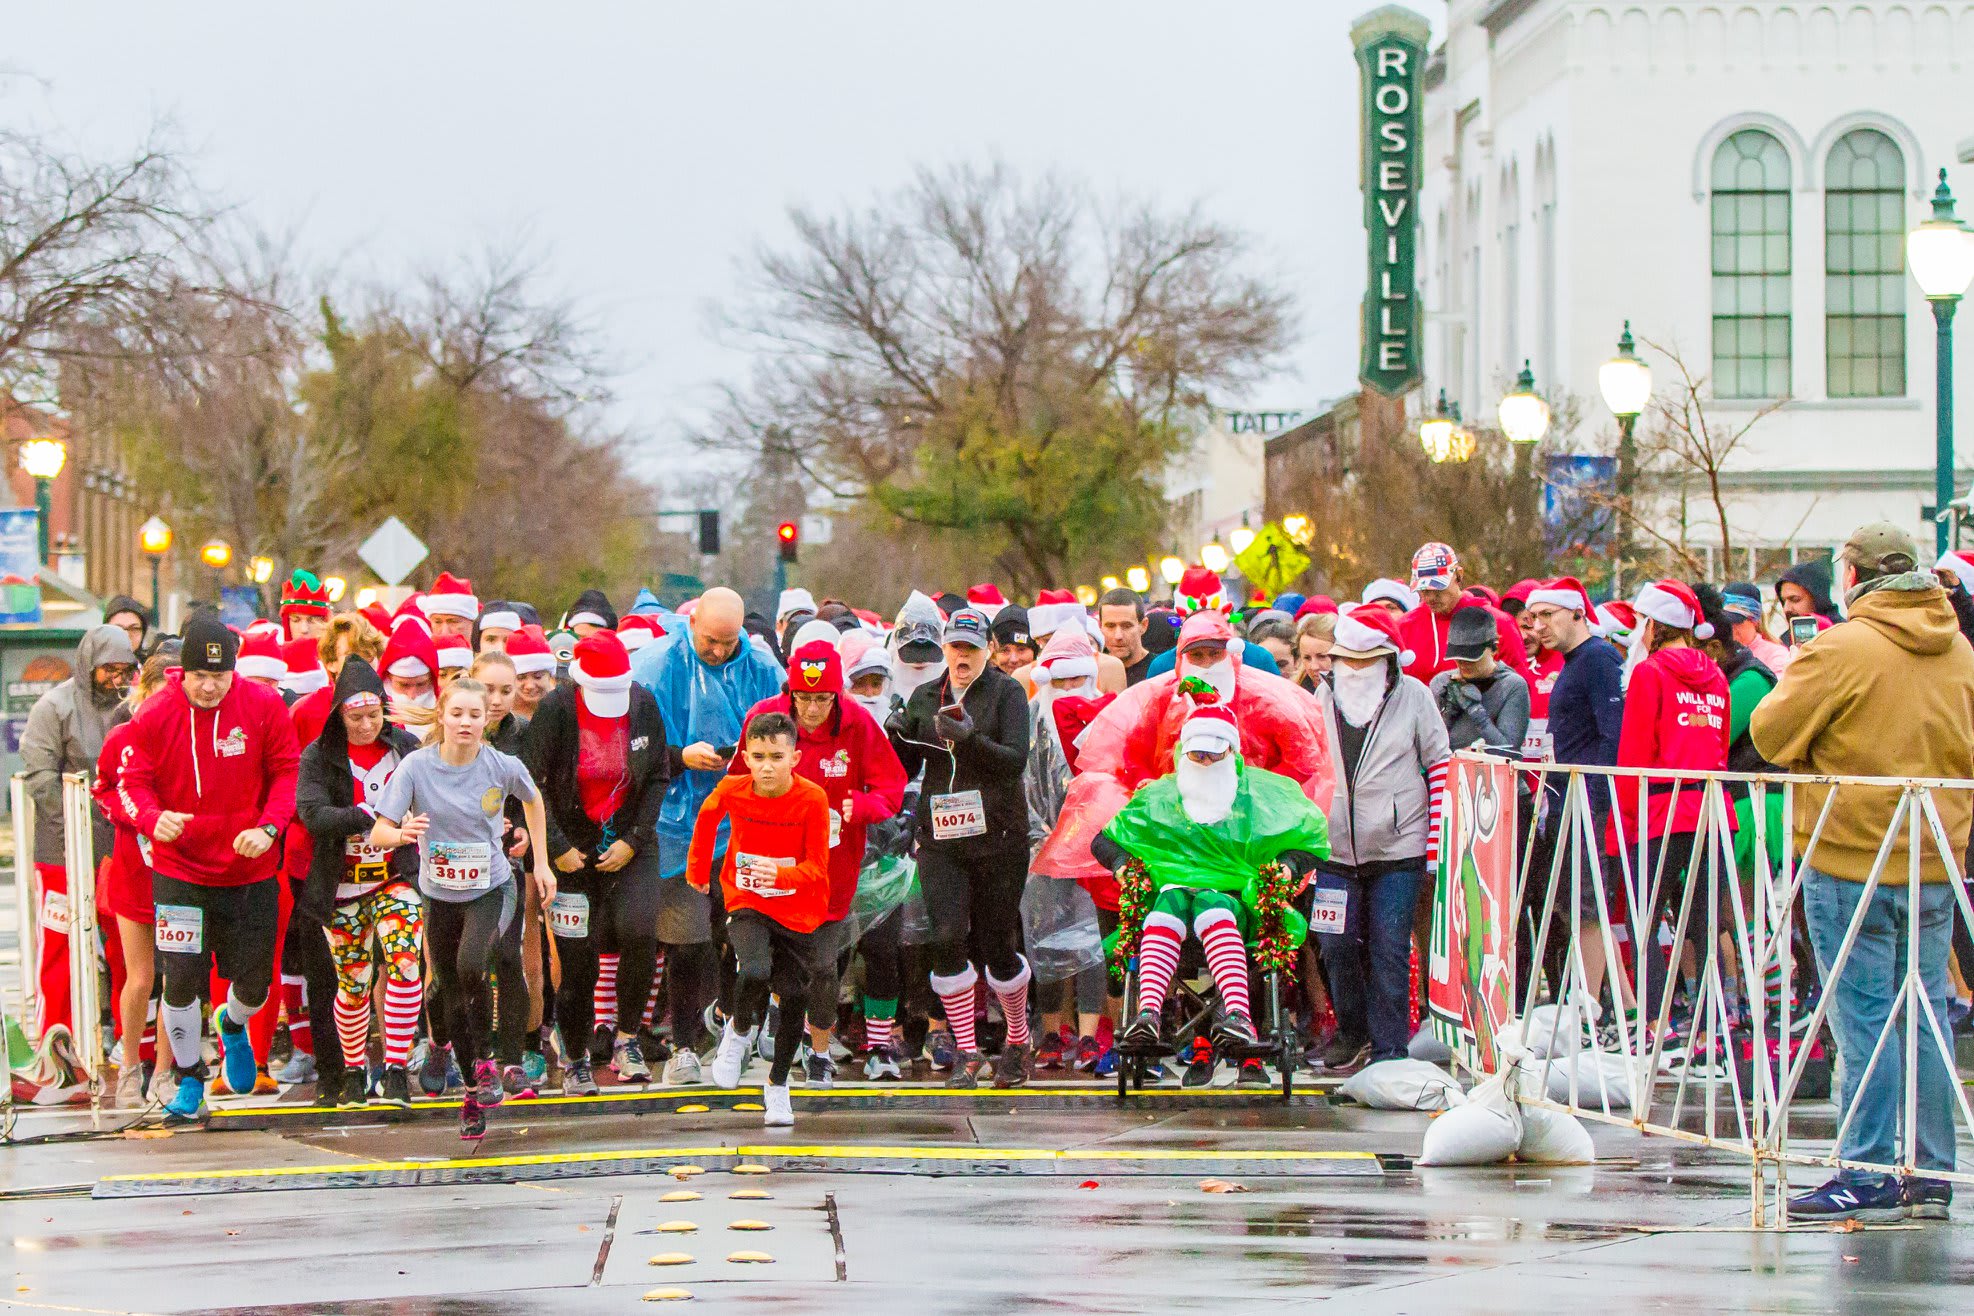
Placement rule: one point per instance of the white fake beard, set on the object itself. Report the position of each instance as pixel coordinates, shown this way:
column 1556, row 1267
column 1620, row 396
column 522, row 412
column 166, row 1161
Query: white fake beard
column 1220, row 676
column 1047, row 694
column 1359, row 691
column 907, row 677
column 1634, row 655
column 1207, row 790
column 878, row 706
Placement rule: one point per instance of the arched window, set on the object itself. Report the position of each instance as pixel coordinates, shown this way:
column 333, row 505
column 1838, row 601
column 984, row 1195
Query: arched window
column 1751, row 266
column 1864, row 266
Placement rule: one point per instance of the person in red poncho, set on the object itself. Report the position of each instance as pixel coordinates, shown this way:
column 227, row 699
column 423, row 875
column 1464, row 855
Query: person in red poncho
column 1439, row 581
column 1675, row 716
column 844, row 751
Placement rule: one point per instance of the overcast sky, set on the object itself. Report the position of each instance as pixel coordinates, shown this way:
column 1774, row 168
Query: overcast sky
column 646, row 147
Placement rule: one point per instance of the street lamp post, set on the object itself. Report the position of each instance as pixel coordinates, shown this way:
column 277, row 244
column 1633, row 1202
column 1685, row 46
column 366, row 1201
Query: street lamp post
column 1941, row 254
column 43, row 458
column 1626, row 383
column 1523, row 414
column 154, row 537
column 216, row 553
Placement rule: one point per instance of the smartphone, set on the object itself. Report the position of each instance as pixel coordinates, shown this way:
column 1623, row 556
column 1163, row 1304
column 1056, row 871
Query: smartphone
column 1802, row 630
column 953, row 711
column 726, row 751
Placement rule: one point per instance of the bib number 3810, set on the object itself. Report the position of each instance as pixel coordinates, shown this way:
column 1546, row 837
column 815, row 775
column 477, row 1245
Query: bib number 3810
column 457, row 866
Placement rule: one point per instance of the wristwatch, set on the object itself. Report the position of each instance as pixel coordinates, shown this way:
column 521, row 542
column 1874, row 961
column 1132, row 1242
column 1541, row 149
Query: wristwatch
column 273, row 832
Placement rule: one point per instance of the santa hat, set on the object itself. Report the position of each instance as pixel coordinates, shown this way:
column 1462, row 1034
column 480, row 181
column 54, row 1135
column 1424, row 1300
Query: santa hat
column 1563, row 592
column 602, row 668
column 1210, row 727
column 637, row 631
column 1484, row 594
column 1961, row 565
column 815, row 669
column 452, row 596
column 1198, row 588
column 1369, row 632
column 302, row 592
column 1673, row 603
column 1616, row 620
column 1053, row 610
column 1069, row 654
column 410, row 611
column 374, row 614
column 409, row 652
column 264, row 627
column 454, row 651
column 988, row 598
column 260, row 655
column 1208, row 626
column 1316, row 604
column 500, row 616
column 1519, row 591
column 1386, row 588
column 527, row 649
column 305, row 674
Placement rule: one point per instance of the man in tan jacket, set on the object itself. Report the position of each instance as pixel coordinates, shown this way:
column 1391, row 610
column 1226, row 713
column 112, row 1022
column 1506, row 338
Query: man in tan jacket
column 1887, row 693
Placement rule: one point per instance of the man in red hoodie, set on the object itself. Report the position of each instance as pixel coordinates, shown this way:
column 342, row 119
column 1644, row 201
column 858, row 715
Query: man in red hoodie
column 844, row 751
column 1440, row 583
column 210, row 783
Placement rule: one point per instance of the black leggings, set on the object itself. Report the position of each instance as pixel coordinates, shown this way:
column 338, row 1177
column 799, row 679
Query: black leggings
column 974, row 903
column 768, row 957
column 884, row 975
column 461, row 937
column 623, row 920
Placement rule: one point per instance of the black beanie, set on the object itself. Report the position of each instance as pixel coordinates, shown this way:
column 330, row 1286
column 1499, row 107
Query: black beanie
column 210, row 645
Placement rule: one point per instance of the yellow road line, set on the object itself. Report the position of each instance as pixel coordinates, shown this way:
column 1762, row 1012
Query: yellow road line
column 462, row 1163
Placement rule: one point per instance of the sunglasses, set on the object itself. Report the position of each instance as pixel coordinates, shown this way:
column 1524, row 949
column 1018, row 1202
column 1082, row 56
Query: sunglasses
column 1206, row 757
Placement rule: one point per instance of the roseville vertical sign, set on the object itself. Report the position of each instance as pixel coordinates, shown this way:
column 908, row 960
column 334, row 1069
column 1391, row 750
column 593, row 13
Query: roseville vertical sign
column 1391, row 55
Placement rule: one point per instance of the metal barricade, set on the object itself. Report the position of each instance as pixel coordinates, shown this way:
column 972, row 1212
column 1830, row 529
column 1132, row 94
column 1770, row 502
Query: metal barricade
column 1745, row 1052
column 85, row 968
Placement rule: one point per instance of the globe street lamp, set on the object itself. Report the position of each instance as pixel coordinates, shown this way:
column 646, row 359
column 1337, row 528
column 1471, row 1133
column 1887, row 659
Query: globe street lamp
column 1626, row 383
column 1214, row 557
column 1941, row 254
column 1299, row 528
column 1138, row 579
column 1110, row 583
column 217, row 554
column 1524, row 415
column 154, row 537
column 260, row 570
column 1171, row 569
column 335, row 585
column 1241, row 537
column 43, row 458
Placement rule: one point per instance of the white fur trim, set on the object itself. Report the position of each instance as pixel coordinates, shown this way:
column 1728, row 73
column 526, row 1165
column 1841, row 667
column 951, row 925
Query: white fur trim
column 1666, row 609
column 635, row 638
column 1556, row 598
column 506, row 621
column 1048, row 618
column 1361, row 640
column 1390, row 589
column 455, row 655
column 532, row 662
column 406, row 666
column 1064, row 668
column 271, row 669
column 605, row 696
column 587, row 619
column 1200, row 733
column 305, row 682
column 450, row 605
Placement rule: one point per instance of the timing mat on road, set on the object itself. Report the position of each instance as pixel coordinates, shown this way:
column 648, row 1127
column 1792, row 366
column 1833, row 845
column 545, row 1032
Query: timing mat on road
column 933, row 1161
column 701, row 1101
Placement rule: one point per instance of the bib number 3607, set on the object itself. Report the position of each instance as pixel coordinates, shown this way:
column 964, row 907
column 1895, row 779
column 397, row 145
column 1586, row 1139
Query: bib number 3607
column 958, row 815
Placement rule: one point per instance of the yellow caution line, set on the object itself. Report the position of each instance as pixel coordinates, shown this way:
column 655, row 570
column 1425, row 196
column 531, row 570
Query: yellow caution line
column 844, row 1153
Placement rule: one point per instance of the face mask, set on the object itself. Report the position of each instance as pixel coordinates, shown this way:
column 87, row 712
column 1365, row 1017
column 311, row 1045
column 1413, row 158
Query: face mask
column 1359, row 691
column 878, row 706
column 1207, row 790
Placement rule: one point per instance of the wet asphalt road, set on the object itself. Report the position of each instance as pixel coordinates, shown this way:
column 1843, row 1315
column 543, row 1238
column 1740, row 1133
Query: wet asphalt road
column 1509, row 1239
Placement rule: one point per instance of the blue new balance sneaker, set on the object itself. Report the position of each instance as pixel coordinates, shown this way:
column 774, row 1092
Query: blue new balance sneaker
column 188, row 1104
column 236, row 1052
column 1873, row 1199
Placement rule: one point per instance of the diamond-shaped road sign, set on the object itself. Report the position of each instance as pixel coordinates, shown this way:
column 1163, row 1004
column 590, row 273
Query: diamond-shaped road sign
column 392, row 551
column 1273, row 560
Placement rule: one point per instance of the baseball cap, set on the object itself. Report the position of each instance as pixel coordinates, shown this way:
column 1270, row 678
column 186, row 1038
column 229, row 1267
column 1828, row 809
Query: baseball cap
column 918, row 640
column 1741, row 598
column 969, row 626
column 1433, row 566
column 1881, row 547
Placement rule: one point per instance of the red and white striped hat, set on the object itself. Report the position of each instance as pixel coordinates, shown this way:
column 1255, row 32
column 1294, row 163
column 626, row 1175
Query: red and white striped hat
column 260, row 655
column 452, row 596
column 527, row 649
column 1673, row 603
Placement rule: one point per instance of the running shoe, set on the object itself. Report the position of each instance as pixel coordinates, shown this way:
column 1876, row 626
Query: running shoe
column 819, row 1071
column 882, row 1062
column 602, row 1040
column 297, row 1068
column 473, row 1119
column 535, row 1066
column 1141, row 1035
column 1343, row 1056
column 682, row 1070
column 1873, row 1199
column 1928, row 1199
column 1011, row 1066
column 1049, row 1054
column 1199, row 1065
column 264, row 1084
column 1234, row 1033
column 1106, row 1066
column 714, row 1020
column 966, row 1069
column 188, row 1103
column 778, row 1112
column 628, row 1061
column 396, row 1087
column 514, row 1082
column 162, row 1083
column 130, row 1087
column 236, row 1053
column 730, row 1061
column 941, row 1048
column 1254, row 1074
column 1088, row 1052
column 434, row 1070
column 577, row 1080
column 487, row 1091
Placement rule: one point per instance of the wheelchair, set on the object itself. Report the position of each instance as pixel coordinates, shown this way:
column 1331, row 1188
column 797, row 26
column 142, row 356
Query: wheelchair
column 1277, row 1040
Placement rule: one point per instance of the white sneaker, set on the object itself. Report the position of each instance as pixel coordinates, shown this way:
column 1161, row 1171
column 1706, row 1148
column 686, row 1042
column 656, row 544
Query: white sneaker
column 731, row 1058
column 779, row 1114
column 163, row 1083
column 130, row 1087
column 682, row 1069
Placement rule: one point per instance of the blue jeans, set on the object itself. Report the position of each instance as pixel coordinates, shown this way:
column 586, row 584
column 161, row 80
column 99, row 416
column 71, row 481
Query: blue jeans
column 1371, row 965
column 1861, row 1001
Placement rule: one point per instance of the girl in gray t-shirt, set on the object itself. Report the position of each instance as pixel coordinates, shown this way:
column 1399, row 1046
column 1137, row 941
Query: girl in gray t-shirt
column 449, row 799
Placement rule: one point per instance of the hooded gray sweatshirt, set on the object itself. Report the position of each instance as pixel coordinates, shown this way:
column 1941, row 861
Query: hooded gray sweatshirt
column 65, row 731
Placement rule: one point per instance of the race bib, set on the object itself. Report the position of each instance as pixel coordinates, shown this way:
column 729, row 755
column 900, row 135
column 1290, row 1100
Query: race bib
column 358, row 850
column 181, row 929
column 748, row 879
column 958, row 815
column 55, row 912
column 459, row 865
column 568, row 914
column 1539, row 746
column 835, row 829
column 1331, row 911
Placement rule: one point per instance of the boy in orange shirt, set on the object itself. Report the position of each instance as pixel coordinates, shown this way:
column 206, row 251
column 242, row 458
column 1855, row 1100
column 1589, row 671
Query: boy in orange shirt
column 775, row 882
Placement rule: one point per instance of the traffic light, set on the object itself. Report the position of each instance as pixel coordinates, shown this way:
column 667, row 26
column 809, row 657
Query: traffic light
column 709, row 533
column 790, row 536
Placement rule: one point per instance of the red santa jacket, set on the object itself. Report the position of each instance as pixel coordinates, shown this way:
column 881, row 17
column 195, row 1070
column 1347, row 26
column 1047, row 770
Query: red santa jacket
column 231, row 767
column 1424, row 632
column 1675, row 716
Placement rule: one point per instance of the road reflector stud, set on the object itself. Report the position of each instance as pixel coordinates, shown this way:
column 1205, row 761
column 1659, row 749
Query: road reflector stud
column 681, row 1195
column 692, row 1110
column 750, row 1259
column 668, row 1295
column 750, row 1225
column 750, row 1195
column 748, row 1105
column 684, row 1171
column 751, row 1167
column 678, row 1227
column 671, row 1259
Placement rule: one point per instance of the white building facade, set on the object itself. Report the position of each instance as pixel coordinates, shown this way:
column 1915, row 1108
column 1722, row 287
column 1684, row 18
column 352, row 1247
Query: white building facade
column 1734, row 180
column 1219, row 482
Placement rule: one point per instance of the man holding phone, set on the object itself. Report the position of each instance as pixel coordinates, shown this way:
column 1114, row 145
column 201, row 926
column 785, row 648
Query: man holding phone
column 969, row 730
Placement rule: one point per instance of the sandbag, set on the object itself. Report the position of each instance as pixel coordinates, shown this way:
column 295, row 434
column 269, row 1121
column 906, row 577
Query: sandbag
column 1427, row 1047
column 1552, row 1137
column 1404, row 1085
column 1558, row 1029
column 1603, row 1080
column 1484, row 1131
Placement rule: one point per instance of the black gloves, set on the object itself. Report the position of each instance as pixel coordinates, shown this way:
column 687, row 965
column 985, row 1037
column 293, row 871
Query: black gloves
column 895, row 724
column 954, row 729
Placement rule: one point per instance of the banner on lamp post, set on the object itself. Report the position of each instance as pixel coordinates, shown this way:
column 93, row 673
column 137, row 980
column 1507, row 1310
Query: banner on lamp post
column 1391, row 55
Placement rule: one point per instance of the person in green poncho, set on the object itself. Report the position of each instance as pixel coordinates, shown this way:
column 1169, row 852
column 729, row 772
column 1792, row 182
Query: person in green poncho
column 1222, row 848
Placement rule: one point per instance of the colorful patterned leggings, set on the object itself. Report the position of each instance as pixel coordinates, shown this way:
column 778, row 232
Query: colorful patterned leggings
column 393, row 918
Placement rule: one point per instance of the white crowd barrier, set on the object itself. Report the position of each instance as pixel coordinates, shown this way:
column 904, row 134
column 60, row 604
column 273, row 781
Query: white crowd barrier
column 1752, row 1051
